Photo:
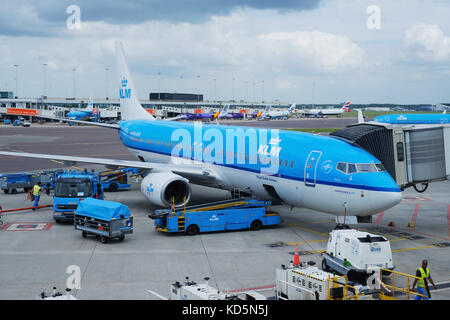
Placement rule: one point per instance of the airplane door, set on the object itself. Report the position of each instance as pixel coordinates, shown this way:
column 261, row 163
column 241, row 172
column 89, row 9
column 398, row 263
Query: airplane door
column 310, row 168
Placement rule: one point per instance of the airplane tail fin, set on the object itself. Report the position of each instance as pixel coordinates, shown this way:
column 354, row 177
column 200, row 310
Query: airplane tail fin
column 292, row 108
column 225, row 110
column 90, row 106
column 346, row 106
column 445, row 111
column 360, row 116
column 130, row 108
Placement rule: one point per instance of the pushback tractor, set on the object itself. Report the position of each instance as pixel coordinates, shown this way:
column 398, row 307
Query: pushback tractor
column 356, row 253
column 235, row 214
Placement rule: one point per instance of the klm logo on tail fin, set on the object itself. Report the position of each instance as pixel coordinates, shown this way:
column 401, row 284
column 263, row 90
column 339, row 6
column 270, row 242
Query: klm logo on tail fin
column 125, row 93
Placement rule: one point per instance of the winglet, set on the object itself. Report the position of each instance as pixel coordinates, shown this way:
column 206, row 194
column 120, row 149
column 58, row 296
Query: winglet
column 130, row 108
column 360, row 116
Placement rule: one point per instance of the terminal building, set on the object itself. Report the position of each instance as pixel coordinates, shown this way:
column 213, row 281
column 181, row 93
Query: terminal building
column 161, row 105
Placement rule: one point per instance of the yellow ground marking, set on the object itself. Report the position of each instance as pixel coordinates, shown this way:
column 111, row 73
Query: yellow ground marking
column 324, row 221
column 308, row 230
column 302, row 242
column 416, row 248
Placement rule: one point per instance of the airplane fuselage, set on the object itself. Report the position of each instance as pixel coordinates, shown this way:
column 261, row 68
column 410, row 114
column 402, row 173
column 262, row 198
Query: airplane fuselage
column 414, row 118
column 299, row 168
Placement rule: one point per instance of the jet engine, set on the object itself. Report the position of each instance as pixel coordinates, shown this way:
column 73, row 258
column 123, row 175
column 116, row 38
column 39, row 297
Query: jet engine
column 163, row 188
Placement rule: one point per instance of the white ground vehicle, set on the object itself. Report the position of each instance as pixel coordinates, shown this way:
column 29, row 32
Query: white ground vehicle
column 349, row 249
column 191, row 290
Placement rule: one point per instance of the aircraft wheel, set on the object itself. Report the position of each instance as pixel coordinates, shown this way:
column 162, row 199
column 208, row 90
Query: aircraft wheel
column 324, row 265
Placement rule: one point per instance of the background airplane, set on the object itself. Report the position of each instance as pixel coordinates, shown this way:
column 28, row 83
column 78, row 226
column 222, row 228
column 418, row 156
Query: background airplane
column 85, row 114
column 321, row 113
column 268, row 114
column 204, row 116
column 257, row 114
column 414, row 118
column 225, row 113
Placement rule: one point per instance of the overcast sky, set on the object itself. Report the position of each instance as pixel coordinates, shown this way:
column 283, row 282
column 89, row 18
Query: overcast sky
column 321, row 51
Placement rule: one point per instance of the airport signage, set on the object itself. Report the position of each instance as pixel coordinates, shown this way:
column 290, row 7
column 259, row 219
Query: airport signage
column 22, row 112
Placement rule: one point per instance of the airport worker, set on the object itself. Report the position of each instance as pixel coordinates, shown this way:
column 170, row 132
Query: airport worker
column 422, row 284
column 36, row 194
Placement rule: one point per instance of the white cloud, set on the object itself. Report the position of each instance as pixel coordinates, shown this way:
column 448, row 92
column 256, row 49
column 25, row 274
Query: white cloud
column 285, row 84
column 428, row 42
column 321, row 51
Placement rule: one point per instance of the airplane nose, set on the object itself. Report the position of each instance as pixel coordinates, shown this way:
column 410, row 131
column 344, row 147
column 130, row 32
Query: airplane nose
column 387, row 200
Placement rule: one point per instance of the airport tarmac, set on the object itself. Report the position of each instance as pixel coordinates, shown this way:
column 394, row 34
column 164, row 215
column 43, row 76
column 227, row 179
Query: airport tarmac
column 36, row 251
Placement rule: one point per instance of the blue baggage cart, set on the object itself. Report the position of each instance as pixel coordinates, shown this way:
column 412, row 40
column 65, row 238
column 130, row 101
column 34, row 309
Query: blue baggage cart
column 106, row 219
column 14, row 181
column 236, row 214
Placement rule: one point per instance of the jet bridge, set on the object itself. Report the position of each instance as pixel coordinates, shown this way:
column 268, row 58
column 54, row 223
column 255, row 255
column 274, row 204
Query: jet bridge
column 414, row 155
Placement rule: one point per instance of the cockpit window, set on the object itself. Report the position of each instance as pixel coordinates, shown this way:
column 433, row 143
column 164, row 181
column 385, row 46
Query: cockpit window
column 341, row 166
column 366, row 167
column 350, row 168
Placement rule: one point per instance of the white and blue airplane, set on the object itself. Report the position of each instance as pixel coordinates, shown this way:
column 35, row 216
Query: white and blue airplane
column 84, row 114
column 268, row 114
column 315, row 172
column 419, row 118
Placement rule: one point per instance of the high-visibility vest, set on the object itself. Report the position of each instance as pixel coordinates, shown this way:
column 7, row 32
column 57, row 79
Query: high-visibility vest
column 424, row 275
column 36, row 190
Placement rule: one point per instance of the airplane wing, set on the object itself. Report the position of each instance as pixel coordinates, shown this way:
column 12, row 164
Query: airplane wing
column 98, row 124
column 180, row 117
column 190, row 171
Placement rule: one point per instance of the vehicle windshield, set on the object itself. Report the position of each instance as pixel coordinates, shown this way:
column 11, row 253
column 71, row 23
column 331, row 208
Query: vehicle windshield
column 73, row 188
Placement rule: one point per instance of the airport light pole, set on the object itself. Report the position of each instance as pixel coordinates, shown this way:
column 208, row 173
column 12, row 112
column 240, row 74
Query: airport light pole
column 106, row 83
column 254, row 96
column 232, row 88
column 159, row 85
column 246, row 91
column 16, row 66
column 313, row 87
column 215, row 97
column 45, row 78
column 198, row 87
column 74, row 69
column 262, row 91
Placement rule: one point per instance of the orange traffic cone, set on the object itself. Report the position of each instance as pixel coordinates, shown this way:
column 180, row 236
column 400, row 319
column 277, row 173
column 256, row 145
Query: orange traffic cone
column 296, row 257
